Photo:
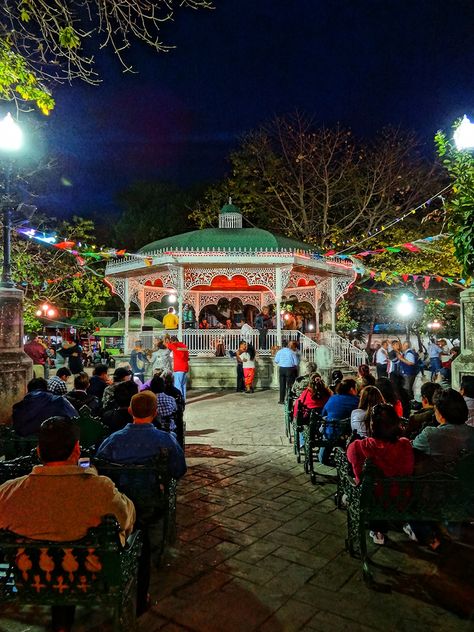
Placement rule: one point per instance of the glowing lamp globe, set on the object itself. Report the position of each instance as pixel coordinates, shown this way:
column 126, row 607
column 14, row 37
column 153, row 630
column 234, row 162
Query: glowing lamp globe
column 464, row 135
column 405, row 306
column 310, row 327
column 172, row 298
column 51, row 313
column 45, row 307
column 39, row 312
column 11, row 136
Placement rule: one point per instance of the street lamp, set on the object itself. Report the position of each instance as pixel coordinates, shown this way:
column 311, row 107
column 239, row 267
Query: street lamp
column 405, row 309
column 46, row 311
column 11, row 141
column 464, row 135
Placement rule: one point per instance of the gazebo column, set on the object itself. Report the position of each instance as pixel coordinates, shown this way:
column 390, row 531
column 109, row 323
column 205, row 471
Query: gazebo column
column 126, row 301
column 278, row 295
column 333, row 304
column 142, row 308
column 316, row 310
column 180, row 301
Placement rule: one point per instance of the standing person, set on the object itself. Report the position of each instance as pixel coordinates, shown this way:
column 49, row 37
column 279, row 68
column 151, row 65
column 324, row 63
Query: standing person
column 161, row 358
column 246, row 331
column 170, row 320
column 180, row 363
column 240, row 388
column 434, row 353
column 381, row 360
column 287, row 361
column 395, row 374
column 37, row 352
column 262, row 324
column 138, row 361
column 409, row 360
column 248, row 364
column 75, row 359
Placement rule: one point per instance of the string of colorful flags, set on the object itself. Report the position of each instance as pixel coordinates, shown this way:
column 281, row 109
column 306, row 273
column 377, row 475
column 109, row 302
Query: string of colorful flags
column 436, row 301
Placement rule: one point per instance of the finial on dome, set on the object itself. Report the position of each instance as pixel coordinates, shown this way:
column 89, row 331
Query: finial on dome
column 230, row 200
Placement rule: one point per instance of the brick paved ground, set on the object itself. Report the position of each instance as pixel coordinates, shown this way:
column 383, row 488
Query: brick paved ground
column 260, row 548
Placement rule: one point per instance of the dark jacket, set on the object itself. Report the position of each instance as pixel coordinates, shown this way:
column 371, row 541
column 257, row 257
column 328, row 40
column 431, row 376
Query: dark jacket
column 96, row 387
column 35, row 407
column 117, row 419
column 80, row 398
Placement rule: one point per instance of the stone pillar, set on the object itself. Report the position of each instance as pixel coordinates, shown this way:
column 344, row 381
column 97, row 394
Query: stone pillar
column 278, row 294
column 464, row 363
column 16, row 368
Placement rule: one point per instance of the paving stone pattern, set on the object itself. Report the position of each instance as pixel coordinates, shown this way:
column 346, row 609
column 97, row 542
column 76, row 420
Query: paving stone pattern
column 260, row 548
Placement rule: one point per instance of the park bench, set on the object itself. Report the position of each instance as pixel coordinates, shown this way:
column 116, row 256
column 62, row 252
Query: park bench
column 92, row 430
column 96, row 570
column 322, row 433
column 152, row 490
column 13, row 446
column 446, row 495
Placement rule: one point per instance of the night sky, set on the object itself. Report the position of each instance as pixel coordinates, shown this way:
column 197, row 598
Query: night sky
column 366, row 64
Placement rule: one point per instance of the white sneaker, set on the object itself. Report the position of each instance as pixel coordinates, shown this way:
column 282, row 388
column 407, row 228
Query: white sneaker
column 377, row 537
column 409, row 532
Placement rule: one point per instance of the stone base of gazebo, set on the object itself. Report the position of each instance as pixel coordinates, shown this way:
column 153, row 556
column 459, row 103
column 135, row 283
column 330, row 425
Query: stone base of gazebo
column 220, row 373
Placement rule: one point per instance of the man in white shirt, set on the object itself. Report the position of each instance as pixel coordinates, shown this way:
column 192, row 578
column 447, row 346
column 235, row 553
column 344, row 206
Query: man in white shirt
column 381, row 360
column 246, row 332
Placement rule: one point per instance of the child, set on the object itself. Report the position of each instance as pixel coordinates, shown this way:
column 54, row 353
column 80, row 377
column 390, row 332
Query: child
column 248, row 363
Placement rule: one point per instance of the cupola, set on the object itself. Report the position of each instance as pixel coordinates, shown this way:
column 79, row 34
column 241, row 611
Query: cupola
column 230, row 216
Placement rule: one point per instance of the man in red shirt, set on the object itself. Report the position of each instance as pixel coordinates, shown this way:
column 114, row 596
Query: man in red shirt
column 180, row 363
column 37, row 352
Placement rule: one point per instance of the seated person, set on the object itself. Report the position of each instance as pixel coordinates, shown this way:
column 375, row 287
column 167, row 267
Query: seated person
column 58, row 384
column 426, row 416
column 364, row 377
column 170, row 389
column 336, row 377
column 99, row 381
column 314, row 396
column 343, row 402
column 38, row 405
column 302, row 381
column 121, row 374
column 79, row 396
column 140, row 441
column 389, row 452
column 390, row 395
column 467, row 391
column 360, row 417
column 119, row 417
column 445, row 443
column 59, row 500
column 166, row 405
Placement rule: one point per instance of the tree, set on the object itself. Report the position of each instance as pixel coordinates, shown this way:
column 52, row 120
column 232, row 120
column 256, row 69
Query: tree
column 45, row 42
column 321, row 184
column 151, row 211
column 49, row 274
column 460, row 205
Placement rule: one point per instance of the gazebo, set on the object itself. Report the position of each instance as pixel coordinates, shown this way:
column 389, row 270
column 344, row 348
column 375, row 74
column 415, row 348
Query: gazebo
column 257, row 266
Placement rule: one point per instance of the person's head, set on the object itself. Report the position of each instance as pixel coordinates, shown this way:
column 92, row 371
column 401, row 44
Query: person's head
column 157, row 384
column 58, row 441
column 81, row 381
column 385, row 423
column 293, row 345
column 174, row 338
column 405, row 346
column 369, row 397
column 450, row 407
column 143, row 407
column 317, row 387
column 160, row 344
column 33, row 336
column 63, row 373
column 395, row 344
column 284, row 343
column 364, row 370
column 389, row 394
column 37, row 384
column 265, row 311
column 121, row 374
column 311, row 367
column 428, row 390
column 101, row 371
column 138, row 344
column 242, row 345
column 467, row 385
column 384, row 344
column 124, row 393
column 347, row 386
column 167, row 377
column 336, row 376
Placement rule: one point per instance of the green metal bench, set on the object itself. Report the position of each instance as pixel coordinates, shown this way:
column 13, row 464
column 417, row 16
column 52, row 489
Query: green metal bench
column 92, row 430
column 13, row 446
column 288, row 415
column 434, row 497
column 95, row 570
column 152, row 490
column 321, row 433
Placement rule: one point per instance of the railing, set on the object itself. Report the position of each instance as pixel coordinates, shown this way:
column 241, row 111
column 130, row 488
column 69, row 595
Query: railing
column 344, row 350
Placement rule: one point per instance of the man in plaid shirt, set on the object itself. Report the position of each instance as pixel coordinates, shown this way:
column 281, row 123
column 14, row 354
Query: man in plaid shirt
column 58, row 384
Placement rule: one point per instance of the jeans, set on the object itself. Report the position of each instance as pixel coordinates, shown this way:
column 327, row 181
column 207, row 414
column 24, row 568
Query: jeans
column 408, row 382
column 240, row 378
column 180, row 378
column 287, row 376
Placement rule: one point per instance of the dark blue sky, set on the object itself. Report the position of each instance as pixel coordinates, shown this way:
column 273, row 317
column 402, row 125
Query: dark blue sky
column 366, row 64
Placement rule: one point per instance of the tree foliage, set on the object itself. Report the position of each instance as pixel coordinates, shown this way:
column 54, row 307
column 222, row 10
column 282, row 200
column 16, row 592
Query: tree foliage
column 460, row 206
column 49, row 274
column 44, row 42
column 322, row 184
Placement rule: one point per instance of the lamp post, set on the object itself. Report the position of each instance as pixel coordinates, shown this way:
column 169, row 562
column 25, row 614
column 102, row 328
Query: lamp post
column 11, row 141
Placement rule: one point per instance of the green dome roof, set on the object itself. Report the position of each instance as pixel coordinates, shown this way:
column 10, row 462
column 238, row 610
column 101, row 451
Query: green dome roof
column 230, row 208
column 255, row 239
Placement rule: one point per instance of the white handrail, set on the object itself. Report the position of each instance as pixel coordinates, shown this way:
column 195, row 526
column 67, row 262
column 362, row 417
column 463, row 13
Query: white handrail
column 344, row 350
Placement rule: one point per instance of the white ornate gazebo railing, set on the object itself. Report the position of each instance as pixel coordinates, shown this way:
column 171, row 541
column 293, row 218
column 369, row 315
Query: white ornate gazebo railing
column 343, row 349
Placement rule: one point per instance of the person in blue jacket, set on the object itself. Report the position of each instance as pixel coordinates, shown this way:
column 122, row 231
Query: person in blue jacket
column 38, row 405
column 339, row 406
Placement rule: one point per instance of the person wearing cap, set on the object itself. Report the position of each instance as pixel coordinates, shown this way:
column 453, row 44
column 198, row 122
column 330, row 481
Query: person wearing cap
column 140, row 441
column 121, row 374
column 59, row 500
